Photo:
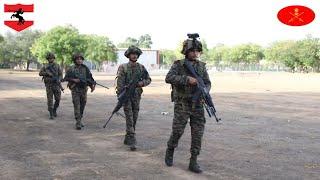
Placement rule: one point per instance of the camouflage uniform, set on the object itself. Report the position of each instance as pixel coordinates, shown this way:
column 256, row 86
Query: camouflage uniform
column 126, row 73
column 79, row 90
column 52, row 88
column 184, row 108
column 182, row 93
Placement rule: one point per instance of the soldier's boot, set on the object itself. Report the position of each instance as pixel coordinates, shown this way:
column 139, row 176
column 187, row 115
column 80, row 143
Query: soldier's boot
column 193, row 165
column 169, row 157
column 133, row 144
column 126, row 139
column 55, row 107
column 78, row 124
column 54, row 112
column 81, row 122
column 50, row 114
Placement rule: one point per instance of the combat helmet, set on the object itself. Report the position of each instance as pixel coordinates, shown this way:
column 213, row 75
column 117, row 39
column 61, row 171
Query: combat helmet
column 192, row 43
column 50, row 55
column 76, row 56
column 133, row 50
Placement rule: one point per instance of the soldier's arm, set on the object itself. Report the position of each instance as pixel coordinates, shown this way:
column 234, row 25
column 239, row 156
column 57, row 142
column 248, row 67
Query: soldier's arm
column 206, row 79
column 60, row 72
column 44, row 72
column 146, row 80
column 174, row 78
column 92, row 82
column 68, row 75
column 120, row 79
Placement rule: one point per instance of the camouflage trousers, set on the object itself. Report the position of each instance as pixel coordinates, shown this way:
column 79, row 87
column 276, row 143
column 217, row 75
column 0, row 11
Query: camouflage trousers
column 183, row 110
column 131, row 111
column 53, row 91
column 79, row 100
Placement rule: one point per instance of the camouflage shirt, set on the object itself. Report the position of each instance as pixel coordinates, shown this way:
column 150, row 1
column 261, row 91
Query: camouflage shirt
column 177, row 77
column 81, row 72
column 130, row 71
column 49, row 71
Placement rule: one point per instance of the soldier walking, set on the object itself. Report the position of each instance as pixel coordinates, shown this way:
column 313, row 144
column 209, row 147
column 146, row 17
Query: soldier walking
column 183, row 88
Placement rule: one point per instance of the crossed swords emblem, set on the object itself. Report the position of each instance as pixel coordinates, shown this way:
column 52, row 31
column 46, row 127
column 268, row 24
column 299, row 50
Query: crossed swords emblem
column 296, row 15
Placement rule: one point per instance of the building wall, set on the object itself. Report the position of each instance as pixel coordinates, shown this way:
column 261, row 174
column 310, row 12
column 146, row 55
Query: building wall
column 149, row 58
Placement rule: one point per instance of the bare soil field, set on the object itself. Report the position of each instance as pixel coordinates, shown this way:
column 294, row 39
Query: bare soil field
column 270, row 130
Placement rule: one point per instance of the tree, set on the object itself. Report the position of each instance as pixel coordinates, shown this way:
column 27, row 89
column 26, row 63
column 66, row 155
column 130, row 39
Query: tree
column 284, row 52
column 128, row 42
column 167, row 56
column 246, row 53
column 16, row 48
column 143, row 41
column 218, row 54
column 25, row 41
column 63, row 41
column 99, row 49
column 309, row 53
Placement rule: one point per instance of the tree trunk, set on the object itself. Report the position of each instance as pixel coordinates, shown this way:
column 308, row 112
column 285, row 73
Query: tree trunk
column 28, row 64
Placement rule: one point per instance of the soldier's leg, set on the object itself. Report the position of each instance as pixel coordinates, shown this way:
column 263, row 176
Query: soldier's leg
column 50, row 100
column 135, row 110
column 57, row 98
column 76, row 105
column 127, row 108
column 180, row 120
column 83, row 102
column 197, row 122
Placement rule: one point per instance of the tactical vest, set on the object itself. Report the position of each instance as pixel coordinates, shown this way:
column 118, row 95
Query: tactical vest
column 129, row 76
column 46, row 79
column 78, row 73
column 128, row 72
column 186, row 92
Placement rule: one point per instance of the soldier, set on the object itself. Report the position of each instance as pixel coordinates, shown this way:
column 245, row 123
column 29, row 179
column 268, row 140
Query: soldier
column 52, row 75
column 183, row 88
column 127, row 73
column 79, row 78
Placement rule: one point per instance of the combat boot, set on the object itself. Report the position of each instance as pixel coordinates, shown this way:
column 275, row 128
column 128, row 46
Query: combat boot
column 193, row 165
column 126, row 139
column 133, row 143
column 169, row 157
column 54, row 112
column 78, row 124
column 50, row 114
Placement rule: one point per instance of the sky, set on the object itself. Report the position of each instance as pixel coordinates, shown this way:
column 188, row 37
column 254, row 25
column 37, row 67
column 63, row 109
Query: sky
column 230, row 22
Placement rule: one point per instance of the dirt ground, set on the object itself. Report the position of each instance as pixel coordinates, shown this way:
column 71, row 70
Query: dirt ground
column 270, row 130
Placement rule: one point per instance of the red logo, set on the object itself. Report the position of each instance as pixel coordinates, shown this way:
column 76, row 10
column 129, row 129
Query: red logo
column 18, row 23
column 296, row 15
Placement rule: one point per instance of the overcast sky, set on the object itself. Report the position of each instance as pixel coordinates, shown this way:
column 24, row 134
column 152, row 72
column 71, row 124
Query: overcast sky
column 168, row 21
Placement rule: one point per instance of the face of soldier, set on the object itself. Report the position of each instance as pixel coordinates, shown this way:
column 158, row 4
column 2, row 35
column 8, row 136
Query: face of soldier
column 79, row 61
column 193, row 54
column 133, row 57
column 51, row 60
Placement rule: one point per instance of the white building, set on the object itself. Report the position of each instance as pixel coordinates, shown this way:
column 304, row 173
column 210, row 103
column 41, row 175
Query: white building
column 149, row 58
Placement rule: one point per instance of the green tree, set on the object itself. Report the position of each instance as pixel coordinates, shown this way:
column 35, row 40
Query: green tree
column 167, row 57
column 16, row 48
column 99, row 49
column 284, row 52
column 61, row 40
column 309, row 53
column 25, row 41
column 143, row 41
column 246, row 53
column 128, row 42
